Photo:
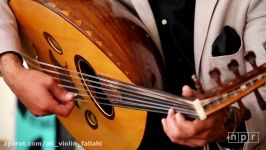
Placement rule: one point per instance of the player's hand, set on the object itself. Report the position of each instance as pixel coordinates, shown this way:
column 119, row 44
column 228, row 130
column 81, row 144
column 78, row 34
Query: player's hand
column 39, row 92
column 194, row 133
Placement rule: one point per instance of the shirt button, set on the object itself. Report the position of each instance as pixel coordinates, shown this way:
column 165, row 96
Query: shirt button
column 164, row 22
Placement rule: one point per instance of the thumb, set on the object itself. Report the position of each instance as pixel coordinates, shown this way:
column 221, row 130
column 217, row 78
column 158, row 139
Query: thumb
column 187, row 91
column 61, row 94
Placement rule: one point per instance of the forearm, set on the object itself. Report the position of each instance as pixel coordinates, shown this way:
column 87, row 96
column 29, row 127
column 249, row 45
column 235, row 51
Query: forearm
column 10, row 64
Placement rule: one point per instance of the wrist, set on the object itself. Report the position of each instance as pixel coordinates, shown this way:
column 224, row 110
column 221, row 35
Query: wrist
column 10, row 63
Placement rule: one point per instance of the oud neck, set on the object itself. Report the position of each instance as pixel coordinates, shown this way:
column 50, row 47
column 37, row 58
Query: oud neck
column 130, row 96
column 235, row 90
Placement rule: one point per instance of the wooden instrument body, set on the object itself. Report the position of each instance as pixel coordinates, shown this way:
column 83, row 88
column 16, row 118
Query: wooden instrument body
column 110, row 40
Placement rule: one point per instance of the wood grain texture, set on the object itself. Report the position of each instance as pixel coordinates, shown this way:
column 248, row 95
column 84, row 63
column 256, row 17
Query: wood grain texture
column 116, row 31
column 115, row 44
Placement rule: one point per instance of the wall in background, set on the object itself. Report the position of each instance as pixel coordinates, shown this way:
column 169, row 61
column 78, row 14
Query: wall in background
column 7, row 112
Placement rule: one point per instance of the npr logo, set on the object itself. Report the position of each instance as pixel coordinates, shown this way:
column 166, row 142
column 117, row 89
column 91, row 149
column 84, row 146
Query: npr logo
column 243, row 137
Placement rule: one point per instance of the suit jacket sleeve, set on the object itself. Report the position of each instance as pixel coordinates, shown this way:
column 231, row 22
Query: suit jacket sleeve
column 255, row 30
column 254, row 39
column 9, row 39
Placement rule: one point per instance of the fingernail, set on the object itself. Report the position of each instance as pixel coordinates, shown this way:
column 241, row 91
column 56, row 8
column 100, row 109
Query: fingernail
column 75, row 94
column 179, row 117
column 171, row 111
column 163, row 120
column 70, row 96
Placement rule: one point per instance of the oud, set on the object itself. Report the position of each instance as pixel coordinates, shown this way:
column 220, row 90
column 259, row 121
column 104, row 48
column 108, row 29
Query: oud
column 99, row 50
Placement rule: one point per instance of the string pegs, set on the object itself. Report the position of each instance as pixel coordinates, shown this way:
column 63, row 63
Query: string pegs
column 260, row 100
column 216, row 76
column 197, row 84
column 251, row 58
column 234, row 67
column 245, row 112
